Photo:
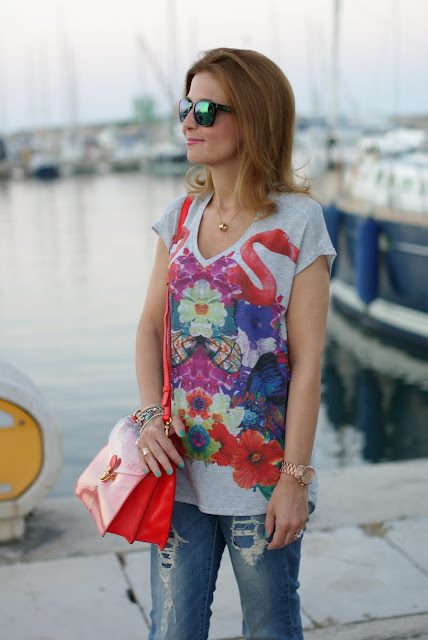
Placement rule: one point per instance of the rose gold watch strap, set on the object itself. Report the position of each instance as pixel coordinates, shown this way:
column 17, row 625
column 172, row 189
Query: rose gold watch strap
column 293, row 470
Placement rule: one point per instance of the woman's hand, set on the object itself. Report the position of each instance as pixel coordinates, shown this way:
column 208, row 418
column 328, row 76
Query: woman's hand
column 161, row 450
column 287, row 512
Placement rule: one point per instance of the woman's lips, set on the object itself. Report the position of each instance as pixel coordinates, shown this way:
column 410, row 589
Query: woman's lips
column 190, row 141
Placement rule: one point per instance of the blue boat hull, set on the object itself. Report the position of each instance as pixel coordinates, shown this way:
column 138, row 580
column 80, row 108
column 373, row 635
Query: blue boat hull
column 383, row 267
column 46, row 172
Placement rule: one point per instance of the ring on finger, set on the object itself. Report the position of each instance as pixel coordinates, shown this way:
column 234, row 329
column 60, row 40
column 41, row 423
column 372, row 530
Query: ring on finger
column 145, row 451
column 298, row 535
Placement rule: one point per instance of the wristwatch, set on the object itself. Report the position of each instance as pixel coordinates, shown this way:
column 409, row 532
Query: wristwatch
column 303, row 473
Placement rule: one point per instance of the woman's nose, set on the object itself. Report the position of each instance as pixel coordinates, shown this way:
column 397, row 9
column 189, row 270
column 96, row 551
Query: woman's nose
column 189, row 121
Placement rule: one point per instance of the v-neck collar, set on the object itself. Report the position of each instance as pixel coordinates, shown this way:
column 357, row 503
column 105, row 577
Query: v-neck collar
column 195, row 233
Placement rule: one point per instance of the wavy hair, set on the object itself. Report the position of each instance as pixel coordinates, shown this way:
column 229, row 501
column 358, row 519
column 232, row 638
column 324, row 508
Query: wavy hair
column 263, row 102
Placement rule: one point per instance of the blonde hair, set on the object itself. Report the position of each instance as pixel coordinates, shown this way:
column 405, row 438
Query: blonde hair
column 263, row 102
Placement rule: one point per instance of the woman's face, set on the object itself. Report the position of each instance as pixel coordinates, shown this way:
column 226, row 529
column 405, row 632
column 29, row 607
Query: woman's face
column 214, row 146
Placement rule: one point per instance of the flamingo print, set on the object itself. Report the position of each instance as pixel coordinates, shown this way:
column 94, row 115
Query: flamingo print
column 182, row 236
column 276, row 241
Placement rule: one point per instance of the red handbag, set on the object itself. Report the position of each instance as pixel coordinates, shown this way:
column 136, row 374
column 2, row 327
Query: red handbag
column 119, row 496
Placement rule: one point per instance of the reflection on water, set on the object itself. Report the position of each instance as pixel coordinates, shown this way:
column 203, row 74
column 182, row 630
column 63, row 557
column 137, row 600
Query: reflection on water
column 75, row 257
column 380, row 390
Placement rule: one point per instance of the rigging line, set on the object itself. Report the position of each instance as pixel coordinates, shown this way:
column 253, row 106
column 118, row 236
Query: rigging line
column 348, row 95
column 318, row 64
column 381, row 59
column 383, row 50
column 314, row 55
column 386, row 18
column 318, row 56
column 366, row 9
column 4, row 89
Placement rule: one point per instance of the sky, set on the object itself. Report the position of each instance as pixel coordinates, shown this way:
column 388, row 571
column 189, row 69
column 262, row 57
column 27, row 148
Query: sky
column 88, row 59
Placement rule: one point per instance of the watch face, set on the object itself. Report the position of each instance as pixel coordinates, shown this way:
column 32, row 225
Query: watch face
column 307, row 475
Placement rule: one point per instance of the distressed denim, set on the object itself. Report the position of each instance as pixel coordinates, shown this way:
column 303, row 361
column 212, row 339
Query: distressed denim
column 184, row 574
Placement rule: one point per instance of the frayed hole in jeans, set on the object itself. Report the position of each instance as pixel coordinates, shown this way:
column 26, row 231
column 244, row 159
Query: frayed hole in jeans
column 248, row 538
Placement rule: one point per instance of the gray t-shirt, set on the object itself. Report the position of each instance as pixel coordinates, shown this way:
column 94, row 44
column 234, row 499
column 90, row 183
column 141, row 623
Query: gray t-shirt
column 230, row 370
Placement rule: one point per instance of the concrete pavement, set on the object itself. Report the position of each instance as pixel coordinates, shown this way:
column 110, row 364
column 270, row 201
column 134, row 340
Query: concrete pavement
column 364, row 573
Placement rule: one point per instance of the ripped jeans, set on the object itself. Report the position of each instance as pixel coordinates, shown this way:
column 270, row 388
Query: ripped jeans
column 183, row 577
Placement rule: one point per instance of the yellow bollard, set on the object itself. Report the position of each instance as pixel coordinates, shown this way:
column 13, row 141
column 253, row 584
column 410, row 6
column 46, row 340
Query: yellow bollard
column 30, row 450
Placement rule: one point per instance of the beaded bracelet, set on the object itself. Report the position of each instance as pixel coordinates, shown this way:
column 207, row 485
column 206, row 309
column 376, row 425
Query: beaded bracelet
column 146, row 422
column 143, row 426
column 148, row 414
column 144, row 414
column 151, row 406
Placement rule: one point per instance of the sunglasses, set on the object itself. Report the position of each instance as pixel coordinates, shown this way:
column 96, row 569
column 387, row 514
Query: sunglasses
column 204, row 111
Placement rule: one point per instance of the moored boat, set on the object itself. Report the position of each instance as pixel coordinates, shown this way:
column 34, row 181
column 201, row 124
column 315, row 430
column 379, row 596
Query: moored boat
column 5, row 167
column 167, row 159
column 44, row 166
column 379, row 225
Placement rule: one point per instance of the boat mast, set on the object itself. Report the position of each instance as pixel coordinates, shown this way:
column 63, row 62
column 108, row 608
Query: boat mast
column 3, row 85
column 172, row 63
column 71, row 86
column 334, row 74
column 397, row 56
column 162, row 78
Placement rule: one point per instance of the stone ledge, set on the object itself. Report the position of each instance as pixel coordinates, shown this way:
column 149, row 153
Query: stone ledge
column 403, row 628
column 371, row 494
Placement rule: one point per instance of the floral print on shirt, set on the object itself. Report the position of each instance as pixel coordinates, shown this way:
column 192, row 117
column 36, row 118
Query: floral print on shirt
column 230, row 370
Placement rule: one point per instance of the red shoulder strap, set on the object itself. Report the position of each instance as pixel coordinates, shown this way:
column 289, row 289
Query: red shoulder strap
column 166, row 355
column 183, row 213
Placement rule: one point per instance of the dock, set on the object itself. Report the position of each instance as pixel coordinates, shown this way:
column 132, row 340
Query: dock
column 364, row 572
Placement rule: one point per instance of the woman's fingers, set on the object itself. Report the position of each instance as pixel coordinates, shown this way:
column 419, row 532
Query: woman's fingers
column 287, row 513
column 156, row 450
column 178, row 426
column 143, row 463
column 148, row 461
column 284, row 532
column 153, row 456
column 282, row 537
column 269, row 524
column 157, row 459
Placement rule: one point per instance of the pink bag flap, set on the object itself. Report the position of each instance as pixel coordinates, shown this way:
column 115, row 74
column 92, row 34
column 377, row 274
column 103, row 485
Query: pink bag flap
column 119, row 458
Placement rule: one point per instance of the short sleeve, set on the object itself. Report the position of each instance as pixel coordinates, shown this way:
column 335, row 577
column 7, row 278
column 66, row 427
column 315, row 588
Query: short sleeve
column 167, row 224
column 315, row 241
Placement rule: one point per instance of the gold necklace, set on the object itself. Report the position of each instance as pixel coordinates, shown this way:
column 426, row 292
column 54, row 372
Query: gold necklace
column 223, row 226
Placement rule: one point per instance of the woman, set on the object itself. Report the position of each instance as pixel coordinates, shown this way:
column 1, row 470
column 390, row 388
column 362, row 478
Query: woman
column 249, row 279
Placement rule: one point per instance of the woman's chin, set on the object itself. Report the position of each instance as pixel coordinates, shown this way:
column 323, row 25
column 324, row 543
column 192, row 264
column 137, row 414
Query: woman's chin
column 194, row 157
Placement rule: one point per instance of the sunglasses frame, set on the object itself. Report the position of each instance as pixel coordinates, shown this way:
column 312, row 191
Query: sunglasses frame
column 215, row 105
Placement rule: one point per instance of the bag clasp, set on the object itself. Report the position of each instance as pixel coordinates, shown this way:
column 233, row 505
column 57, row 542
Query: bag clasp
column 109, row 473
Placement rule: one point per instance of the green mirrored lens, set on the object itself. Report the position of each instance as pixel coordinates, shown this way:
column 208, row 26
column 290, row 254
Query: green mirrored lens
column 183, row 109
column 204, row 113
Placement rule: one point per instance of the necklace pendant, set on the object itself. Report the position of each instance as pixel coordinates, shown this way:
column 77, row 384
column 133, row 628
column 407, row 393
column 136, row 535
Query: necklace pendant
column 222, row 226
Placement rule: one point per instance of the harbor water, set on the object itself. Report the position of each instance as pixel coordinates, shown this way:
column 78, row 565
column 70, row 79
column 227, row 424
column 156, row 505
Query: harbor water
column 75, row 258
